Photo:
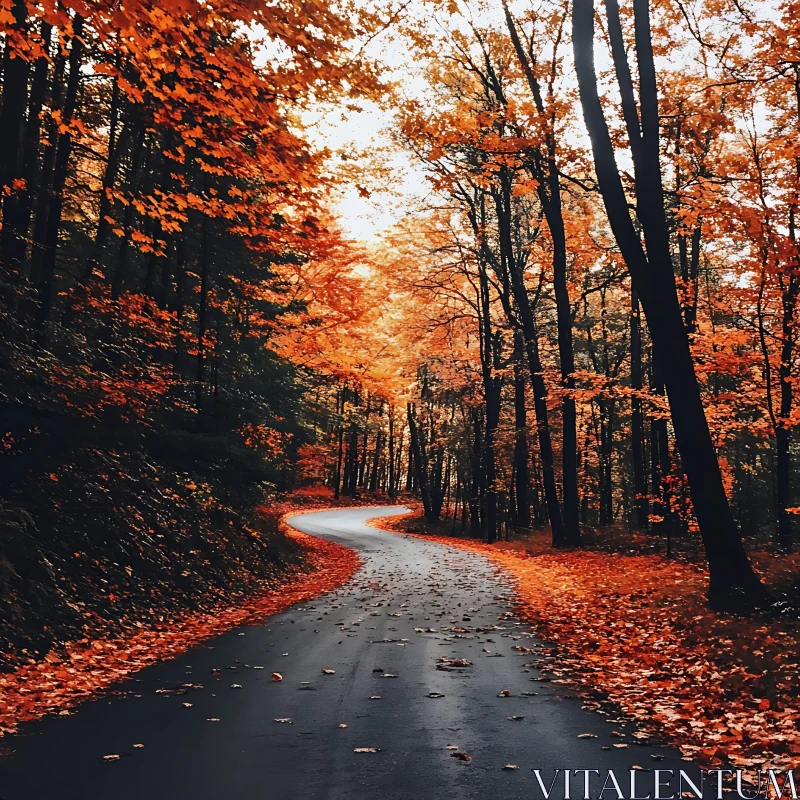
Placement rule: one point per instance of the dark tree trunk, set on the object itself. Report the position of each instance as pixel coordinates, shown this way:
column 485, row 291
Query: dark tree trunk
column 410, row 482
column 46, row 171
column 12, row 136
column 362, row 470
column 202, row 311
column 782, row 429
column 637, row 418
column 33, row 131
column 653, row 277
column 492, row 386
column 420, row 464
column 660, row 463
column 689, row 257
column 476, row 499
column 60, row 168
column 392, row 480
column 339, row 442
column 351, row 480
column 140, row 160
column 606, row 484
column 521, row 479
column 530, row 336
column 544, row 168
column 373, row 477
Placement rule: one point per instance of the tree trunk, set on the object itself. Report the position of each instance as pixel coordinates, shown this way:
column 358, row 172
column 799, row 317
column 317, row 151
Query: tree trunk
column 530, row 336
column 202, row 312
column 420, row 464
column 492, row 386
column 637, row 418
column 521, row 479
column 12, row 136
column 33, row 132
column 42, row 204
column 392, row 484
column 653, row 277
column 545, row 171
column 783, row 429
column 373, row 477
column 63, row 151
column 339, row 442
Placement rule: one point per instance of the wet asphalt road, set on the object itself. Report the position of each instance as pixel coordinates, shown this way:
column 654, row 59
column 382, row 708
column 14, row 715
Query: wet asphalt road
column 412, row 603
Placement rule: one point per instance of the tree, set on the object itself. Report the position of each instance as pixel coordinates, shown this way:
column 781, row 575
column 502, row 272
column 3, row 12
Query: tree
column 651, row 270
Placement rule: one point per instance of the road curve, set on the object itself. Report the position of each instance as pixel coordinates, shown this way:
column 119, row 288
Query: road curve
column 412, row 602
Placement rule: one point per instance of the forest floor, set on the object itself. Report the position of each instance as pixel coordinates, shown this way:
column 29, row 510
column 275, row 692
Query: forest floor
column 90, row 659
column 636, row 628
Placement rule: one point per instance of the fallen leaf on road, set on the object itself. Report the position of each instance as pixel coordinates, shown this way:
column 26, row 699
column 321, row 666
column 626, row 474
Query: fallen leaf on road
column 236, row 686
column 113, row 757
column 283, row 719
column 186, row 705
column 451, row 747
column 461, row 756
column 515, row 717
column 621, row 746
column 375, row 697
column 587, row 735
column 138, row 745
column 365, row 750
column 505, row 693
column 510, row 766
column 342, row 725
column 435, row 694
column 328, row 672
column 212, row 719
column 276, row 676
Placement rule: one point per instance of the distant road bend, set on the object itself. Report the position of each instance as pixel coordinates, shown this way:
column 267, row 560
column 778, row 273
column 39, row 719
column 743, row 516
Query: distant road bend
column 384, row 724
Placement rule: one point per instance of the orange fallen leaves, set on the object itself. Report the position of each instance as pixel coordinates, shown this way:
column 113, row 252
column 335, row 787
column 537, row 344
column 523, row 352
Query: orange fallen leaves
column 65, row 679
column 637, row 627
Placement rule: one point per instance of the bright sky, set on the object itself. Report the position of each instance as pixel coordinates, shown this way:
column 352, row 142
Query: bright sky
column 366, row 218
column 391, row 198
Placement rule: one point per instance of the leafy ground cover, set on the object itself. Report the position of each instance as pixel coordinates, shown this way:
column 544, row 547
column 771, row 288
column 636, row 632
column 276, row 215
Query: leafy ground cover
column 75, row 669
column 723, row 688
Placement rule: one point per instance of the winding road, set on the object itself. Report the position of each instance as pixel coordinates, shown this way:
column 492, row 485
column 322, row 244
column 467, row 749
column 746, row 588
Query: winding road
column 247, row 737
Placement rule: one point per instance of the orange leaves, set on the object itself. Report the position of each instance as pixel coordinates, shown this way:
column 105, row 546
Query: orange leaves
column 637, row 628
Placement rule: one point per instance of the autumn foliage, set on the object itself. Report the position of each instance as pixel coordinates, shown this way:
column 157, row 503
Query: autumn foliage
column 636, row 629
column 584, row 327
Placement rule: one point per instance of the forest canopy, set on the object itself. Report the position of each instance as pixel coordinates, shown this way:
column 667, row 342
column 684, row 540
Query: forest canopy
column 585, row 321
